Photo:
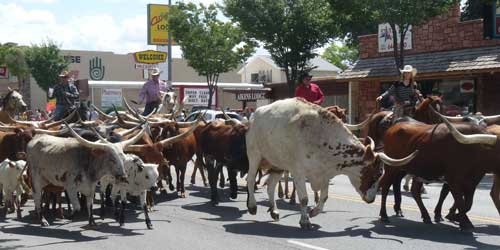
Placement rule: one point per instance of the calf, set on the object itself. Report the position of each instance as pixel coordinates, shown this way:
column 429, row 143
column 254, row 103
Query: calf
column 141, row 178
column 11, row 180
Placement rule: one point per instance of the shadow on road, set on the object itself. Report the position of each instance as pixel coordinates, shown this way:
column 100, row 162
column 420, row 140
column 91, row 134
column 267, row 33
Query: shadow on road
column 398, row 229
column 224, row 213
column 3, row 242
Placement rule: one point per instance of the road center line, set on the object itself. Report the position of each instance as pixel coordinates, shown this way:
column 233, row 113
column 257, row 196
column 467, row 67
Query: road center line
column 305, row 245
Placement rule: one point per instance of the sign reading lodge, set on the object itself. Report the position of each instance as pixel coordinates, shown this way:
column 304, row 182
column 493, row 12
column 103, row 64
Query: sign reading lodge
column 150, row 57
column 252, row 96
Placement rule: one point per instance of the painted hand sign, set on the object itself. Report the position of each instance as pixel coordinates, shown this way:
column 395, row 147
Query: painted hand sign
column 96, row 69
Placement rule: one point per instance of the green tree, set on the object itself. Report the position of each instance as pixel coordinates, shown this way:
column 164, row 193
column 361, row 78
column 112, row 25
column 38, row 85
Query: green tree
column 14, row 57
column 209, row 45
column 342, row 56
column 289, row 29
column 46, row 63
column 354, row 18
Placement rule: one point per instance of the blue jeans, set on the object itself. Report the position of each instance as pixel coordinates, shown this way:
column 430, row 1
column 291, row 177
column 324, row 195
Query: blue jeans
column 59, row 112
column 150, row 106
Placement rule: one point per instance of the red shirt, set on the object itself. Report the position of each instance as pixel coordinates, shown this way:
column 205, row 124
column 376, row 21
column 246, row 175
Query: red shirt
column 312, row 93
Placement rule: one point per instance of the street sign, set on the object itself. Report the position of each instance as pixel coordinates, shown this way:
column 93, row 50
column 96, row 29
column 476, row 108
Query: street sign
column 150, row 57
column 251, row 96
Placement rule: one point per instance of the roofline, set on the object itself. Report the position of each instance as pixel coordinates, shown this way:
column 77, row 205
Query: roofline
column 138, row 84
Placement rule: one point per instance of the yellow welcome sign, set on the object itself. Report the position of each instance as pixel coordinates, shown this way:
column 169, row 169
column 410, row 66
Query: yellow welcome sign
column 150, row 56
column 157, row 24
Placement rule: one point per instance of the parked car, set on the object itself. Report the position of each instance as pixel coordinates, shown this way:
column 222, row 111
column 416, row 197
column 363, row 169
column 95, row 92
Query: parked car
column 211, row 115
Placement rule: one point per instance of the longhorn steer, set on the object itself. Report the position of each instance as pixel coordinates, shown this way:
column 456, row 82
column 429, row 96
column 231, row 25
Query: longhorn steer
column 442, row 157
column 312, row 144
column 141, row 178
column 226, row 144
column 75, row 164
column 10, row 181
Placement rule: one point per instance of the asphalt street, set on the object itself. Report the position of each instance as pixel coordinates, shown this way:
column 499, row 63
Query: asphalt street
column 193, row 223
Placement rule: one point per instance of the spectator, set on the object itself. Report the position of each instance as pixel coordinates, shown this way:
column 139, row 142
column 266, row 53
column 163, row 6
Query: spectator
column 309, row 91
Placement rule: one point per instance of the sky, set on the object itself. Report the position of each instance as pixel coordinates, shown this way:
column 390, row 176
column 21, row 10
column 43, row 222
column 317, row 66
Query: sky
column 119, row 26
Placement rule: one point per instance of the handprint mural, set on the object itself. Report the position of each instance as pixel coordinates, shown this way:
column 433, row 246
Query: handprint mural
column 96, row 69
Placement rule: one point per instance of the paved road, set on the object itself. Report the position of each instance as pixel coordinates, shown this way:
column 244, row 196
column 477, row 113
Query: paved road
column 192, row 223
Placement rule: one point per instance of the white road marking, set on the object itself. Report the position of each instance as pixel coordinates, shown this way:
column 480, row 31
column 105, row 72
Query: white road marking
column 305, row 245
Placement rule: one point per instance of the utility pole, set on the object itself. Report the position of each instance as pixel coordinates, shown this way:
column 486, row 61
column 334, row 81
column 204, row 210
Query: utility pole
column 169, row 50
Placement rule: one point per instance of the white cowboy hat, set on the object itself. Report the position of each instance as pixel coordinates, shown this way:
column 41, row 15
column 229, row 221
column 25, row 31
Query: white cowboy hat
column 409, row 68
column 155, row 72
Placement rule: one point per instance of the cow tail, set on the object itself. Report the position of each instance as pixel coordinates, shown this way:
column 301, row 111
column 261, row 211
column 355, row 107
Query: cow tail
column 20, row 180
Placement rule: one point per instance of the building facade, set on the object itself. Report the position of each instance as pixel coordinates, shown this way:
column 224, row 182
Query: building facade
column 452, row 58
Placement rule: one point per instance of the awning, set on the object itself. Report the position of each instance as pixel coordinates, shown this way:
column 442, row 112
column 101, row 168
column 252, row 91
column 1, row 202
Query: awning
column 475, row 60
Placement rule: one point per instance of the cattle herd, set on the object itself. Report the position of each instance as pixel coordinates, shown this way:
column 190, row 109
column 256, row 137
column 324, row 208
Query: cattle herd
column 131, row 154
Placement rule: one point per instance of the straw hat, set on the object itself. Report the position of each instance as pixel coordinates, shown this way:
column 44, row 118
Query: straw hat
column 155, row 72
column 64, row 74
column 409, row 68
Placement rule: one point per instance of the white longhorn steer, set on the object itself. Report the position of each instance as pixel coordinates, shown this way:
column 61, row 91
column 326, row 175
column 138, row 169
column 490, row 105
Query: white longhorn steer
column 75, row 164
column 312, row 144
column 10, row 181
column 141, row 178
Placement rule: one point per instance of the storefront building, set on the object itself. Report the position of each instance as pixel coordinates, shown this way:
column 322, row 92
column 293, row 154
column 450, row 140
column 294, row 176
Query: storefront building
column 452, row 58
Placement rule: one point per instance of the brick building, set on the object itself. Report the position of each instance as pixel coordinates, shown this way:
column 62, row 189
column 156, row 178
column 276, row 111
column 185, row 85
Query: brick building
column 452, row 58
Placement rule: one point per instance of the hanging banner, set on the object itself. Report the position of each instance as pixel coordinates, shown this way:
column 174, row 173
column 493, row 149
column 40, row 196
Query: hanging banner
column 157, row 24
column 386, row 41
column 197, row 96
column 110, row 97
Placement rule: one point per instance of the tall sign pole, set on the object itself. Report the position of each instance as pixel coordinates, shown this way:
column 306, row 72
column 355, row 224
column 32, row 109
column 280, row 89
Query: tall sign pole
column 169, row 78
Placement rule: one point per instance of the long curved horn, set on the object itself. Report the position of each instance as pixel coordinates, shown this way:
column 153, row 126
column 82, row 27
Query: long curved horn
column 131, row 110
column 177, row 138
column 372, row 143
column 86, row 143
column 134, row 139
column 106, row 116
column 57, row 123
column 396, row 162
column 453, row 118
column 225, row 115
column 128, row 131
column 468, row 139
column 491, row 119
column 7, row 128
column 187, row 124
column 357, row 127
column 52, row 132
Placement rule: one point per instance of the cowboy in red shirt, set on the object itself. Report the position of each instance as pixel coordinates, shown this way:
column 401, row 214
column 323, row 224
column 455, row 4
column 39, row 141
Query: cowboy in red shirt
column 309, row 91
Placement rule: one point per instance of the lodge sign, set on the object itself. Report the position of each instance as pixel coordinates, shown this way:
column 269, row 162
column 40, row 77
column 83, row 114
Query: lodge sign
column 150, row 57
column 251, row 96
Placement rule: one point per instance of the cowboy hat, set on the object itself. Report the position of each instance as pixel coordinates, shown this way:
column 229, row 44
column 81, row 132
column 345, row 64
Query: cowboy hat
column 64, row 74
column 155, row 72
column 409, row 68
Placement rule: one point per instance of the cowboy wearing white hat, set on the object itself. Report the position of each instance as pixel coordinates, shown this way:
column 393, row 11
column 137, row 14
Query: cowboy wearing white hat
column 152, row 91
column 405, row 93
column 66, row 94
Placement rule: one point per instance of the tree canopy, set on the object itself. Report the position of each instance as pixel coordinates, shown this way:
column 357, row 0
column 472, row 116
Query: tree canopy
column 289, row 30
column 209, row 45
column 342, row 56
column 46, row 63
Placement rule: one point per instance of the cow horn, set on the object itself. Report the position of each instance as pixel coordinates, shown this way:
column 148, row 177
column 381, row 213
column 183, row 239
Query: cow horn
column 453, row 118
column 84, row 142
column 491, row 119
column 106, row 116
column 66, row 119
column 136, row 138
column 51, row 132
column 372, row 143
column 128, row 131
column 177, row 138
column 357, row 127
column 98, row 135
column 225, row 115
column 468, row 139
column 396, row 162
column 7, row 128
column 132, row 111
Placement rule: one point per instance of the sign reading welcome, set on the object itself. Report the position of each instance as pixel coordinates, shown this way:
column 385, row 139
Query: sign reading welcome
column 150, row 57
